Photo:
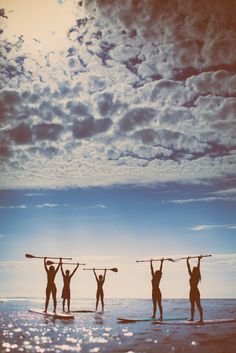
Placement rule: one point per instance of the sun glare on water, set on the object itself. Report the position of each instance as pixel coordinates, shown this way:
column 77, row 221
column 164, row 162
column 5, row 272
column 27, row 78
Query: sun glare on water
column 42, row 23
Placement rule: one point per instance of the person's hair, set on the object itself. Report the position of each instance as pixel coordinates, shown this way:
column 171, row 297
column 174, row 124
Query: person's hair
column 67, row 272
column 196, row 273
column 157, row 272
column 100, row 277
column 51, row 268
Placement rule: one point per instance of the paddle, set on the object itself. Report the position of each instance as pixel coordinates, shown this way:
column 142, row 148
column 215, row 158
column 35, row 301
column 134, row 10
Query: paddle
column 64, row 263
column 114, row 269
column 165, row 259
column 191, row 257
column 29, row 256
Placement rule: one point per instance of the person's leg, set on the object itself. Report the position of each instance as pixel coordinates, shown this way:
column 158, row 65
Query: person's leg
column 48, row 292
column 97, row 300
column 68, row 304
column 160, row 306
column 199, row 306
column 154, row 302
column 54, row 296
column 192, row 301
column 102, row 300
column 63, row 304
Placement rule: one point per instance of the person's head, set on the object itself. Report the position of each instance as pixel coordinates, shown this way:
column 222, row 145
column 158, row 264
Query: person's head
column 157, row 273
column 196, row 273
column 100, row 277
column 67, row 272
column 52, row 269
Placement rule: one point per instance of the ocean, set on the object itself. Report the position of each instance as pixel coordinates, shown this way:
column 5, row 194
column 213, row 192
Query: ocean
column 21, row 331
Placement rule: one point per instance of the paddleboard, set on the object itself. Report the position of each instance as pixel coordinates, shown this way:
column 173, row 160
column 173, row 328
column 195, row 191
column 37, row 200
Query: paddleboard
column 62, row 316
column 83, row 311
column 144, row 319
column 186, row 322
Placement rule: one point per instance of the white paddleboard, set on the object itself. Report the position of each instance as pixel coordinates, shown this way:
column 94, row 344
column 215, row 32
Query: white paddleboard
column 62, row 316
column 187, row 322
column 144, row 319
column 82, row 311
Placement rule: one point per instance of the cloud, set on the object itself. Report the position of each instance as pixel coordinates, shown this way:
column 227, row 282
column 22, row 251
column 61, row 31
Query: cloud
column 204, row 199
column 17, row 266
column 50, row 205
column 43, row 205
column 136, row 117
column 228, row 195
column 101, row 206
column 221, row 262
column 18, row 206
column 89, row 127
column 214, row 226
column 34, row 194
column 2, row 235
column 21, row 134
column 47, row 131
column 137, row 92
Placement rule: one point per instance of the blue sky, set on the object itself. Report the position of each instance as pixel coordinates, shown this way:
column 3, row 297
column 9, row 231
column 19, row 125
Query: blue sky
column 115, row 227
column 117, row 141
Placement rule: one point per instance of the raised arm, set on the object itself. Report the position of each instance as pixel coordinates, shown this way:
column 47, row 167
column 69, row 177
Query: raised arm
column 161, row 265
column 58, row 266
column 104, row 276
column 189, row 268
column 95, row 275
column 198, row 263
column 62, row 271
column 74, row 271
column 152, row 271
column 45, row 264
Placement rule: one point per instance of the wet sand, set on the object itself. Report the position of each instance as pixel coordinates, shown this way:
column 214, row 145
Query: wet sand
column 21, row 331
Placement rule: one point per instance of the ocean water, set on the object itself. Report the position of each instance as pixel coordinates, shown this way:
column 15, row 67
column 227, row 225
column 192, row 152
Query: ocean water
column 21, row 331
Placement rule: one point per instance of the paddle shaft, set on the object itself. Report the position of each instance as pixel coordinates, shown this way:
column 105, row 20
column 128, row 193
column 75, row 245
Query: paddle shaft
column 64, row 263
column 192, row 257
column 99, row 269
column 29, row 256
column 155, row 260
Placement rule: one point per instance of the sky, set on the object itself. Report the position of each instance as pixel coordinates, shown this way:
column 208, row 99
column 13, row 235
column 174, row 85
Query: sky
column 117, row 142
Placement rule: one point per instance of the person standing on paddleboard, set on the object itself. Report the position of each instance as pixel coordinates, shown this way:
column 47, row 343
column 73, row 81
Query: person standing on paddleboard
column 51, row 287
column 156, row 293
column 100, row 294
column 194, row 294
column 66, row 288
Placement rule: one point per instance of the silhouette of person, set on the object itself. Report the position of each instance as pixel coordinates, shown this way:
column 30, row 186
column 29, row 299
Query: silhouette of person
column 100, row 294
column 194, row 294
column 66, row 288
column 51, row 287
column 156, row 293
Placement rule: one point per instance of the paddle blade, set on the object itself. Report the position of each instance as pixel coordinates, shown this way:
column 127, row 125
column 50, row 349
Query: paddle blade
column 114, row 269
column 50, row 262
column 170, row 259
column 29, row 256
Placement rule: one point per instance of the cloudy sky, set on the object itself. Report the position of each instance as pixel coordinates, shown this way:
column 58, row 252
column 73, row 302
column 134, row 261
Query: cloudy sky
column 117, row 139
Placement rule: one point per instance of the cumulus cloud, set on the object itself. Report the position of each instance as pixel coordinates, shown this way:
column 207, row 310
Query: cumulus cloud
column 89, row 127
column 139, row 92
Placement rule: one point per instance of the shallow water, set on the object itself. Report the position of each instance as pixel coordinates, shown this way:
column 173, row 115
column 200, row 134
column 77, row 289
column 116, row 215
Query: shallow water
column 21, row 331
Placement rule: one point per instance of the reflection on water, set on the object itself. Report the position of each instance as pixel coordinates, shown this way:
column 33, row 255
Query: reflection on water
column 21, row 331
